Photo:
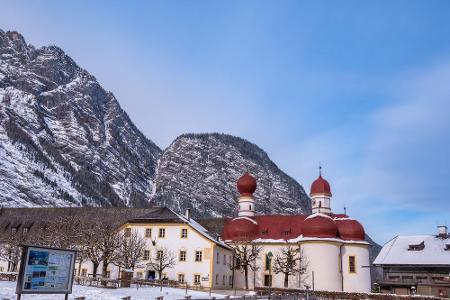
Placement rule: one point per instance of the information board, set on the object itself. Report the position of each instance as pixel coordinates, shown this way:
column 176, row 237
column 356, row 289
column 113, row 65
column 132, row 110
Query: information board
column 46, row 271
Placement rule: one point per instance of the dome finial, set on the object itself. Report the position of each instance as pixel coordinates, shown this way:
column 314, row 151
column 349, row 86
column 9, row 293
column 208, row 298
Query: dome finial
column 320, row 169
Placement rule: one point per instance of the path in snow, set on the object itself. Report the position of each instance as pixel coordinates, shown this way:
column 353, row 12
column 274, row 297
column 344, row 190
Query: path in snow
column 8, row 288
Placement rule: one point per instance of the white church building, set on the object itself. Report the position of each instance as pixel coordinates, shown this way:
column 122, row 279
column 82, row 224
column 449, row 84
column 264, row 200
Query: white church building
column 335, row 253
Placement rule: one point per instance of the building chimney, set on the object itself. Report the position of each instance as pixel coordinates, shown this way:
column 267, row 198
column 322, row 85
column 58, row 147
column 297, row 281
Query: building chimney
column 188, row 214
column 442, row 231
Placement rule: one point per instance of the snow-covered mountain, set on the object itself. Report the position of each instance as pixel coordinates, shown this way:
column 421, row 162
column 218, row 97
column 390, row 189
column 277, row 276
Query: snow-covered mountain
column 65, row 141
column 200, row 171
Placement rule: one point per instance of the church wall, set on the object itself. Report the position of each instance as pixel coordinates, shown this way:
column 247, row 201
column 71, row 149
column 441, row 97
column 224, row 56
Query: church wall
column 359, row 281
column 323, row 271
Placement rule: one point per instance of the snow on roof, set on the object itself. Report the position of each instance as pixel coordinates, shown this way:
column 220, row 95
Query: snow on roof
column 306, row 239
column 318, row 215
column 343, row 218
column 395, row 252
column 245, row 218
column 202, row 230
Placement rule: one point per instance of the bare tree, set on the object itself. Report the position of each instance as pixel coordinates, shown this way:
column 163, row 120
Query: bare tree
column 91, row 248
column 244, row 257
column 129, row 251
column 10, row 252
column 10, row 249
column 161, row 259
column 289, row 261
column 108, row 243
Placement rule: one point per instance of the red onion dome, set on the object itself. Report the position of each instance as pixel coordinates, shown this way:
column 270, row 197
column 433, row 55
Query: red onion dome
column 319, row 225
column 240, row 228
column 350, row 229
column 320, row 186
column 246, row 185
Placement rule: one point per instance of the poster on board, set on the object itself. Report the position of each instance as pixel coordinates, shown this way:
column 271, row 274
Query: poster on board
column 46, row 271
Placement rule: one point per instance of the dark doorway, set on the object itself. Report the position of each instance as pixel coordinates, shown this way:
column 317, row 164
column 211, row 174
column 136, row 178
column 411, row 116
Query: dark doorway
column 267, row 280
column 151, row 275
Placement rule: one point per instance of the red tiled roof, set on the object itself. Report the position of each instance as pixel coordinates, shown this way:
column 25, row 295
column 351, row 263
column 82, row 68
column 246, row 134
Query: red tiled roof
column 246, row 184
column 350, row 229
column 287, row 227
column 320, row 186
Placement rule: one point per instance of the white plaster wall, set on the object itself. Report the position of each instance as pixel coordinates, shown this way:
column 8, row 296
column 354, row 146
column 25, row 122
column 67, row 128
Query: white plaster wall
column 3, row 265
column 175, row 243
column 221, row 267
column 359, row 281
column 323, row 259
column 246, row 206
column 326, row 205
column 257, row 278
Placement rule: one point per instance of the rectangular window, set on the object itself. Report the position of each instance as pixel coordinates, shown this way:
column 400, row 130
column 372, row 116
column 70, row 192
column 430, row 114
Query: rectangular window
column 139, row 275
column 267, row 262
column 351, row 264
column 196, row 279
column 184, row 233
column 159, row 254
column 25, row 229
column 148, row 232
column 416, row 247
column 230, row 280
column 218, row 258
column 267, row 280
column 127, row 232
column 224, row 259
column 198, row 256
column 83, row 272
column 223, row 279
column 146, row 255
column 217, row 279
column 182, row 255
column 181, row 278
column 162, row 233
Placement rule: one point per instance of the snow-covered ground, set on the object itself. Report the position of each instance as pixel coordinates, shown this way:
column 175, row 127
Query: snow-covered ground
column 8, row 288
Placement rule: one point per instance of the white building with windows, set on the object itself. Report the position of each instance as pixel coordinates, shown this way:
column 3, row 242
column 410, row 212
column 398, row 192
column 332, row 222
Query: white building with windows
column 201, row 259
column 335, row 253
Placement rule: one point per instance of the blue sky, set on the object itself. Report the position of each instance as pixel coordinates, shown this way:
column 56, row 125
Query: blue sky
column 362, row 86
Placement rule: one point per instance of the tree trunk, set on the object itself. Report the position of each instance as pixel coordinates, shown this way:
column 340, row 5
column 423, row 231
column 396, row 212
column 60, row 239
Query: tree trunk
column 286, row 280
column 79, row 266
column 94, row 269
column 246, row 277
column 104, row 268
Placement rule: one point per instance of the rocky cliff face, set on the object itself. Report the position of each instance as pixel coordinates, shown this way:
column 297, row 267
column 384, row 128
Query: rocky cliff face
column 64, row 140
column 200, row 171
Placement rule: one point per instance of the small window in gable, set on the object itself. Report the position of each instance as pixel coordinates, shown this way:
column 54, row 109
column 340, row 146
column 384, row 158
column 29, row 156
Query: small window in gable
column 265, row 232
column 416, row 247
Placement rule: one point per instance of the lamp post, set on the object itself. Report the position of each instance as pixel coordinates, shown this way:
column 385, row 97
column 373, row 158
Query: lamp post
column 269, row 257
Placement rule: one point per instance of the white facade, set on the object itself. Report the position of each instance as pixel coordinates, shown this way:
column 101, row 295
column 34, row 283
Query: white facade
column 327, row 267
column 321, row 203
column 246, row 206
column 358, row 281
column 203, row 261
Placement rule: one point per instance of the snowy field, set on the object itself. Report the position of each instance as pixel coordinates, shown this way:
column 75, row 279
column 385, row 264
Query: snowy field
column 8, row 288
